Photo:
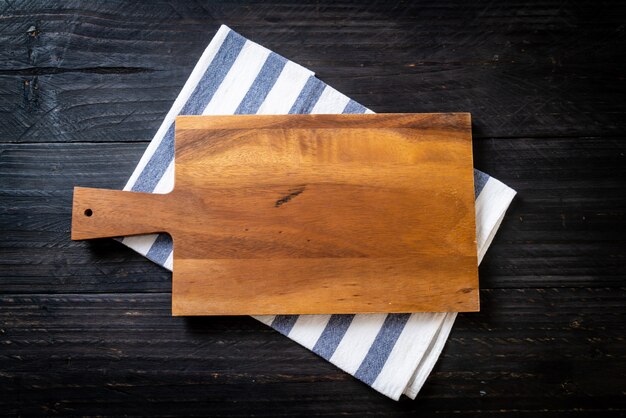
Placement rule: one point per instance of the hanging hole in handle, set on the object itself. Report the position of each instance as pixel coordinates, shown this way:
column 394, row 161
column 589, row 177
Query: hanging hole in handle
column 88, row 212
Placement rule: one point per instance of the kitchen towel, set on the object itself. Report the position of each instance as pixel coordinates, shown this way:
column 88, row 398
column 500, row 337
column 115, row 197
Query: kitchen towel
column 392, row 353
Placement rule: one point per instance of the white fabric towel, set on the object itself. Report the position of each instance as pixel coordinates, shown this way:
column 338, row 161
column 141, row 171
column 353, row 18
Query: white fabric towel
column 392, row 353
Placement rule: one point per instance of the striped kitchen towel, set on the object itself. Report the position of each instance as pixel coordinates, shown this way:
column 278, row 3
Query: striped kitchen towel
column 393, row 353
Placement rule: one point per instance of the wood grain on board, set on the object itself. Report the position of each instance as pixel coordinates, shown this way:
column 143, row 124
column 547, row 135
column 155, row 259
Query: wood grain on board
column 302, row 214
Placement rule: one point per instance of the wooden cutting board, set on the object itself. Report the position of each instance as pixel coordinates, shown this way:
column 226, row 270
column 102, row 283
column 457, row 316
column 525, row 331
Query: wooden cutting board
column 304, row 214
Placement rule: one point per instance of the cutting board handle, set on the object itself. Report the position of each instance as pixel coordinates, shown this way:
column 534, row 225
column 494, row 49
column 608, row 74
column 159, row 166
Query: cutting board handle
column 102, row 213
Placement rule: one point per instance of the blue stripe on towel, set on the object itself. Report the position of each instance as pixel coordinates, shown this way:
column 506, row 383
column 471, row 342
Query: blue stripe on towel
column 480, row 179
column 354, row 107
column 308, row 97
column 262, row 85
column 154, row 170
column 161, row 249
column 199, row 99
column 284, row 323
column 378, row 353
column 332, row 335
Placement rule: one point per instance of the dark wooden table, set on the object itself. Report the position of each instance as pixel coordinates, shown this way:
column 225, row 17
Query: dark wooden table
column 85, row 328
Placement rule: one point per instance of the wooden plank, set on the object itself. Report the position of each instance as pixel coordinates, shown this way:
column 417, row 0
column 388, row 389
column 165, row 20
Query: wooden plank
column 84, row 107
column 546, row 349
column 309, row 214
column 110, row 71
column 36, row 183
